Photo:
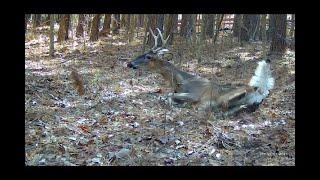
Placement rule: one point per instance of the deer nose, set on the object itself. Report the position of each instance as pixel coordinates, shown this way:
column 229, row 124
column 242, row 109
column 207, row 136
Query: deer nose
column 130, row 65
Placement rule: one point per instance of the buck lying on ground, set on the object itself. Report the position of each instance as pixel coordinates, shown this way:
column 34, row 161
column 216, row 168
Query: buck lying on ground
column 207, row 95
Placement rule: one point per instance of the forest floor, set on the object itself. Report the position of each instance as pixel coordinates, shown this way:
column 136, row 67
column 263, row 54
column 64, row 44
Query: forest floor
column 123, row 117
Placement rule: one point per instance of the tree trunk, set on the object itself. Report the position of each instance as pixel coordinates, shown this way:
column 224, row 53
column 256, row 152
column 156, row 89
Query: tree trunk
column 185, row 23
column 89, row 19
column 64, row 28
column 132, row 26
column 106, row 25
column 253, row 27
column 140, row 20
column 210, row 27
column 26, row 20
column 169, row 26
column 249, row 27
column 291, row 34
column 123, row 19
column 115, row 24
column 175, row 23
column 152, row 22
column 51, row 48
column 263, row 32
column 187, row 26
column 271, row 28
column 36, row 20
column 94, row 35
column 159, row 24
column 278, row 43
column 204, row 27
column 127, row 22
column 237, row 25
column 47, row 21
column 218, row 26
column 245, row 25
column 58, row 18
column 79, row 29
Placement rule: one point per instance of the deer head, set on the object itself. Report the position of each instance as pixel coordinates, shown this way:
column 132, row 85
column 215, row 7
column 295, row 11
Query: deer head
column 156, row 53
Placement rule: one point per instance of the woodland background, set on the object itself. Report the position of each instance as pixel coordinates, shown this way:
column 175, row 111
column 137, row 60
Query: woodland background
column 120, row 116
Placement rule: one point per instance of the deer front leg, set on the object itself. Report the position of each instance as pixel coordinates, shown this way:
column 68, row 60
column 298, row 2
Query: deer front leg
column 182, row 97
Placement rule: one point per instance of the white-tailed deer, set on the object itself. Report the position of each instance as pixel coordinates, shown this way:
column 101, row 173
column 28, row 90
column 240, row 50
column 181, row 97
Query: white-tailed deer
column 202, row 92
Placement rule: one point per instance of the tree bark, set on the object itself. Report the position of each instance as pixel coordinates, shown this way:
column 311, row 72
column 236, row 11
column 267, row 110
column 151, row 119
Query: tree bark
column 175, row 23
column 278, row 40
column 116, row 24
column 94, row 35
column 26, row 20
column 140, row 20
column 152, row 22
column 64, row 28
column 79, row 29
column 263, row 33
column 169, row 27
column 51, row 48
column 159, row 24
column 106, row 25
column 36, row 20
column 218, row 27
column 210, row 27
column 244, row 36
column 237, row 25
column 132, row 26
column 292, row 26
column 271, row 27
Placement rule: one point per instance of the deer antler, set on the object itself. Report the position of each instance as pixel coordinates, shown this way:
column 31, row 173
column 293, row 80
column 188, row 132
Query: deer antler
column 155, row 39
column 163, row 41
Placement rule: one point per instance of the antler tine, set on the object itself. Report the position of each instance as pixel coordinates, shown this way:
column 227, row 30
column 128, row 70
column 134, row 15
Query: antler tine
column 163, row 41
column 155, row 39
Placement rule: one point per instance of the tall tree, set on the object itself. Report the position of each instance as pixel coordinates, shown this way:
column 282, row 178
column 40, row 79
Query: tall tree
column 133, row 21
column 127, row 22
column 278, row 39
column 187, row 25
column 271, row 27
column 123, row 20
column 51, row 48
column 254, row 27
column 94, row 35
column 140, row 20
column 249, row 27
column 115, row 24
column 64, row 28
column 175, row 23
column 291, row 32
column 79, row 29
column 26, row 20
column 204, row 23
column 237, row 25
column 210, row 27
column 218, row 26
column 36, row 20
column 47, row 21
column 169, row 26
column 152, row 22
column 263, row 27
column 106, row 25
column 159, row 24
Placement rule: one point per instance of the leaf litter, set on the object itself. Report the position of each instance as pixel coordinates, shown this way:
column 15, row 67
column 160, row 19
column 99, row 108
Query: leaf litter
column 122, row 117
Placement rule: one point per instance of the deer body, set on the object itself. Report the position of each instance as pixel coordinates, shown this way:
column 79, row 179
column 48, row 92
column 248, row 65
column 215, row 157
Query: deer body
column 204, row 93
